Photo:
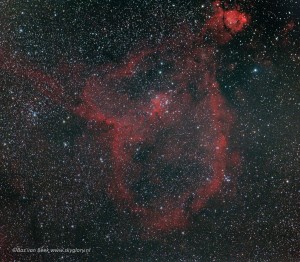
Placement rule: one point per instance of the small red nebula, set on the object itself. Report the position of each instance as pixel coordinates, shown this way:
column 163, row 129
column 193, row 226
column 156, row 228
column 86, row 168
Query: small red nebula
column 287, row 31
column 235, row 21
column 224, row 24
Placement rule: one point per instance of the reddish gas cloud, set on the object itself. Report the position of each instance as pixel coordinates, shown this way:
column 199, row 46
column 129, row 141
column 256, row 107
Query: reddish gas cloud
column 164, row 122
column 224, row 24
column 171, row 142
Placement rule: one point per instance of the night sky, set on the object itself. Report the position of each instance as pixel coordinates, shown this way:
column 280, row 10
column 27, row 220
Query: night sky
column 142, row 130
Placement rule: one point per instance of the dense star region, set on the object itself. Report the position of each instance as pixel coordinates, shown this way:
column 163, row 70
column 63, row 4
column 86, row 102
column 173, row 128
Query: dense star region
column 142, row 131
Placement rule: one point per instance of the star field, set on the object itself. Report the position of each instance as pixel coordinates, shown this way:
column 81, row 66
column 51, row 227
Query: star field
column 149, row 130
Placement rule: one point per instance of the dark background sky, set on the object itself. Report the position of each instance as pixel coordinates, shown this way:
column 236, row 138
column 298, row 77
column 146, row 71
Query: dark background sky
column 50, row 201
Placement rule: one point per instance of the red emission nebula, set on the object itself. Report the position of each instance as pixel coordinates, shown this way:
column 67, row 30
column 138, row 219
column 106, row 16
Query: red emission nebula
column 168, row 139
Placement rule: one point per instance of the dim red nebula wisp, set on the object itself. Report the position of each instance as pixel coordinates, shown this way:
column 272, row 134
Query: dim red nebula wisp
column 169, row 144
